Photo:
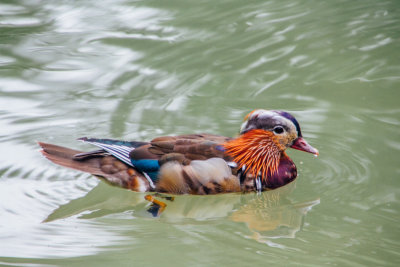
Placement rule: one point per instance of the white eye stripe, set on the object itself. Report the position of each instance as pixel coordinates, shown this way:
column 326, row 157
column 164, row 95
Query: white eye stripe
column 262, row 113
column 267, row 120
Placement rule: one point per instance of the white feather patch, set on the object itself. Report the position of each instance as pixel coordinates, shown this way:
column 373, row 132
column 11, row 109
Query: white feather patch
column 118, row 151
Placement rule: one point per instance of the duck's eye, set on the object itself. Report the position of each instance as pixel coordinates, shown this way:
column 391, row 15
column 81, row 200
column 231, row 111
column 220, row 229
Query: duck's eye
column 278, row 130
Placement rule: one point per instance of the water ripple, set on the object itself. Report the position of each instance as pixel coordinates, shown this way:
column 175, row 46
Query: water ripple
column 136, row 70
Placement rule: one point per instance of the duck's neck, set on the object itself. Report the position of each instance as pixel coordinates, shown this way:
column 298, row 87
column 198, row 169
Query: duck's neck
column 285, row 174
column 256, row 150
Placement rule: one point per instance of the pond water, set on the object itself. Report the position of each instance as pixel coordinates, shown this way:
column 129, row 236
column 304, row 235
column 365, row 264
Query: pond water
column 135, row 70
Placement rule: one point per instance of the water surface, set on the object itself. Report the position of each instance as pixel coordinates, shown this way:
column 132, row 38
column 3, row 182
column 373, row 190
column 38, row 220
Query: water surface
column 139, row 69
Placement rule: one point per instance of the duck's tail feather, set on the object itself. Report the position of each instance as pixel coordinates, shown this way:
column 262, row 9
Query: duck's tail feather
column 98, row 164
column 65, row 157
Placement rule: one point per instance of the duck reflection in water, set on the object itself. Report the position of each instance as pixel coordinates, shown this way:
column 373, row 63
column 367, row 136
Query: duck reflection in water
column 272, row 215
column 268, row 214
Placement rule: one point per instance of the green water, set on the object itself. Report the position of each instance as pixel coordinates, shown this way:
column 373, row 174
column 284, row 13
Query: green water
column 140, row 69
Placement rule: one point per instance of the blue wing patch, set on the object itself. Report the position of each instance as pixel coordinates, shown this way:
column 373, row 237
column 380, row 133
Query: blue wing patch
column 149, row 166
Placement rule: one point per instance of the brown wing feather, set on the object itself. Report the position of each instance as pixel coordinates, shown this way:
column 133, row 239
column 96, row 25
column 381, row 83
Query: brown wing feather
column 143, row 152
column 191, row 147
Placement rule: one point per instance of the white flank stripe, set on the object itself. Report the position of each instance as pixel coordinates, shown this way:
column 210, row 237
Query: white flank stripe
column 258, row 184
column 149, row 179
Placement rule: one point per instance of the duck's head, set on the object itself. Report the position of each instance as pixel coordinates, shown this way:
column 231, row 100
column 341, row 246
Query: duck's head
column 264, row 136
column 281, row 126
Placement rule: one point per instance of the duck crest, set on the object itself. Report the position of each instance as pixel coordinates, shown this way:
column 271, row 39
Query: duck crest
column 256, row 150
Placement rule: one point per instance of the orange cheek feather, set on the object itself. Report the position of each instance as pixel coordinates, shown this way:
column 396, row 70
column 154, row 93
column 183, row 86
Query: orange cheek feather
column 258, row 149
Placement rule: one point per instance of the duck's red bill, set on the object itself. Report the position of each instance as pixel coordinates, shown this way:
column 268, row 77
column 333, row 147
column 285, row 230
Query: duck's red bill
column 301, row 144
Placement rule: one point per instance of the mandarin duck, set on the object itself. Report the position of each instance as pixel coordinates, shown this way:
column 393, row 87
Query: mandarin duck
column 196, row 163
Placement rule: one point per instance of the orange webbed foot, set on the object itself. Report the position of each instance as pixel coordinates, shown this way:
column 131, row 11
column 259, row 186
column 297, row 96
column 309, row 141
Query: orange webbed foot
column 157, row 206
